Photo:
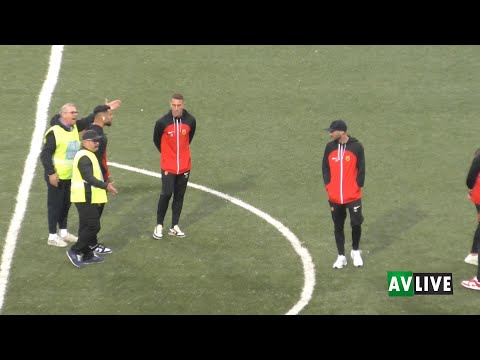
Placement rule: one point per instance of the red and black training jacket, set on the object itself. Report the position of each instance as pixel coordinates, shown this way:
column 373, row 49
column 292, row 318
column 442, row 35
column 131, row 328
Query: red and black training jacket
column 172, row 137
column 473, row 180
column 343, row 170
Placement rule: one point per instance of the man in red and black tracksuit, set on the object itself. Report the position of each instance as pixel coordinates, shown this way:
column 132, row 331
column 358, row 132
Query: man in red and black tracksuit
column 343, row 170
column 473, row 185
column 172, row 136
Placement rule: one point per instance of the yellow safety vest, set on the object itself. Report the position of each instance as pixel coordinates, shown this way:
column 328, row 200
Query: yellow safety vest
column 77, row 192
column 68, row 144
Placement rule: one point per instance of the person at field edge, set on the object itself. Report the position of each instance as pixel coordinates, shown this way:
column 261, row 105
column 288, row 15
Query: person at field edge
column 61, row 142
column 473, row 185
column 88, row 192
column 343, row 170
column 172, row 136
column 103, row 117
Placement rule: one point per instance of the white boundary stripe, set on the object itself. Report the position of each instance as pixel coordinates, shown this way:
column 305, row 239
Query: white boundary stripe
column 30, row 165
column 308, row 266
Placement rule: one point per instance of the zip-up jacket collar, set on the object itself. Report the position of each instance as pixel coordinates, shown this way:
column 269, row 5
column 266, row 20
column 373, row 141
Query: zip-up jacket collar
column 56, row 121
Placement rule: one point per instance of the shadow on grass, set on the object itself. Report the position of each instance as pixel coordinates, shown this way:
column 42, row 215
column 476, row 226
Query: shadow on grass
column 133, row 226
column 387, row 229
column 130, row 215
column 208, row 207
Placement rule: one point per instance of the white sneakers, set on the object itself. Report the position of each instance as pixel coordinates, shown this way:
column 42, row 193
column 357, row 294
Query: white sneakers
column 56, row 241
column 61, row 241
column 69, row 238
column 472, row 259
column 157, row 232
column 342, row 260
column 356, row 257
column 175, row 231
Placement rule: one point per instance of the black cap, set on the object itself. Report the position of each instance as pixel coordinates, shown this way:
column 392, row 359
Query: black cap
column 100, row 108
column 91, row 135
column 337, row 125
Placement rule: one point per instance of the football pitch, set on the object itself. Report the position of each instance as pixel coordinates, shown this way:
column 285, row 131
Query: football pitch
column 259, row 232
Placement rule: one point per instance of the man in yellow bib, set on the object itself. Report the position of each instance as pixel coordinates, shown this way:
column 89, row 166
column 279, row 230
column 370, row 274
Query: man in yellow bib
column 60, row 144
column 88, row 193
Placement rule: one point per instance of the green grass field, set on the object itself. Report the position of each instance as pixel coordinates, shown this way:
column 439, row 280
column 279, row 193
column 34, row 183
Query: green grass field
column 260, row 111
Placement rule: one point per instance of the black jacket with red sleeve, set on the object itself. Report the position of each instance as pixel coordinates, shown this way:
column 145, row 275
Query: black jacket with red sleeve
column 473, row 180
column 343, row 170
column 172, row 137
column 101, row 153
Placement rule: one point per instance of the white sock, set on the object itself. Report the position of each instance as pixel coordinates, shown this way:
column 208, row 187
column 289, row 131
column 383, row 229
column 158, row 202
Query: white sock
column 62, row 232
column 52, row 236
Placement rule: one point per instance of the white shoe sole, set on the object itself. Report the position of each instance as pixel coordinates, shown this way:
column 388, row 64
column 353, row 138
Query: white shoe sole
column 69, row 238
column 57, row 243
column 103, row 252
column 340, row 266
column 353, row 260
column 176, row 235
column 466, row 285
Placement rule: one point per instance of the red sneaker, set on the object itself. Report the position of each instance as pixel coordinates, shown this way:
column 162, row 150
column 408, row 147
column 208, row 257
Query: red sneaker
column 471, row 284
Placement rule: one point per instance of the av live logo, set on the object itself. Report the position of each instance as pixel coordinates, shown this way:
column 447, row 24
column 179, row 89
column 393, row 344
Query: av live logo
column 407, row 283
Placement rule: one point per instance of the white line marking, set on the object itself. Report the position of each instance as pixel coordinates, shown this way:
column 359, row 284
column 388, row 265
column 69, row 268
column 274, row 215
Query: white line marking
column 30, row 165
column 29, row 172
column 308, row 266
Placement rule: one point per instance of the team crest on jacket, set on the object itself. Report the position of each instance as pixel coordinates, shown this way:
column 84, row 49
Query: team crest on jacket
column 347, row 158
column 184, row 131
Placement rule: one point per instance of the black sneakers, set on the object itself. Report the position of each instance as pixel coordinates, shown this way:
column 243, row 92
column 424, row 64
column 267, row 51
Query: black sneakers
column 95, row 259
column 75, row 258
column 101, row 249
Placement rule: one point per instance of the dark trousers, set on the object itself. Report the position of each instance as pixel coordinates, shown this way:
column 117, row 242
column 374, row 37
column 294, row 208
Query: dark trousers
column 176, row 185
column 100, row 210
column 476, row 240
column 339, row 214
column 58, row 204
column 88, row 228
column 476, row 235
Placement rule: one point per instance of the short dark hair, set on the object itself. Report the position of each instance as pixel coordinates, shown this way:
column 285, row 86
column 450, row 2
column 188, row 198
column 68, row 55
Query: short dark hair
column 100, row 109
column 177, row 96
